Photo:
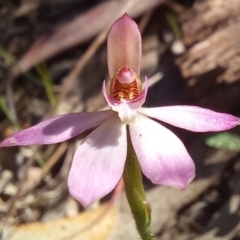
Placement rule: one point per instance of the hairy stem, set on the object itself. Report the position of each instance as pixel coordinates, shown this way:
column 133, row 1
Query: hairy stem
column 135, row 193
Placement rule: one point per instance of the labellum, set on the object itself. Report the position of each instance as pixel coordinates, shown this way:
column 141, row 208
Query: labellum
column 125, row 85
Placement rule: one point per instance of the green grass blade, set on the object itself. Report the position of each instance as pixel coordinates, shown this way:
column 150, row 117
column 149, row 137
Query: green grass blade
column 173, row 24
column 43, row 72
column 39, row 160
column 8, row 114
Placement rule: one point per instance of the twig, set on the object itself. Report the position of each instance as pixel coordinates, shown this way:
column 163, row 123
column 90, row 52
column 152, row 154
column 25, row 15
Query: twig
column 61, row 149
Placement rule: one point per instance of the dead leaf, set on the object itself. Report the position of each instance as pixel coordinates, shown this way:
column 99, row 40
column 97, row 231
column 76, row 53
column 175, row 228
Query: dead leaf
column 96, row 224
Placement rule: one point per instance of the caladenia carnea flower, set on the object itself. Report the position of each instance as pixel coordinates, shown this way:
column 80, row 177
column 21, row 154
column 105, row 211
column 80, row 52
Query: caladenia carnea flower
column 99, row 161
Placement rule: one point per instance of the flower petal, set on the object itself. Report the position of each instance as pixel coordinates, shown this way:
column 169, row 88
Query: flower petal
column 57, row 129
column 162, row 156
column 98, row 162
column 124, row 45
column 192, row 118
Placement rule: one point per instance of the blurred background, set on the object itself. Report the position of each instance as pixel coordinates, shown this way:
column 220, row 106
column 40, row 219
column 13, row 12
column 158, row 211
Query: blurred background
column 53, row 61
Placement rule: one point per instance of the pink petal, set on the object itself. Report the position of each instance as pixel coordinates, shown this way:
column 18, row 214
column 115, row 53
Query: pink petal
column 162, row 156
column 57, row 129
column 195, row 119
column 124, row 45
column 98, row 162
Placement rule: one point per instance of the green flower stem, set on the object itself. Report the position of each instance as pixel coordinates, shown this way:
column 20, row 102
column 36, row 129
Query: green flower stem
column 135, row 193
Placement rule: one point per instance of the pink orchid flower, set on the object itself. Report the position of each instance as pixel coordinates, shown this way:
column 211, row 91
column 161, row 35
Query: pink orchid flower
column 98, row 162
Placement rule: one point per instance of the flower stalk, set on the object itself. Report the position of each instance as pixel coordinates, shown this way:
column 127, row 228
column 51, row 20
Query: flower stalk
column 135, row 193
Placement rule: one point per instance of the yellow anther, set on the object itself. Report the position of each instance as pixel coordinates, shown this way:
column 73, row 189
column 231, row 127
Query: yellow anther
column 121, row 95
column 131, row 95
